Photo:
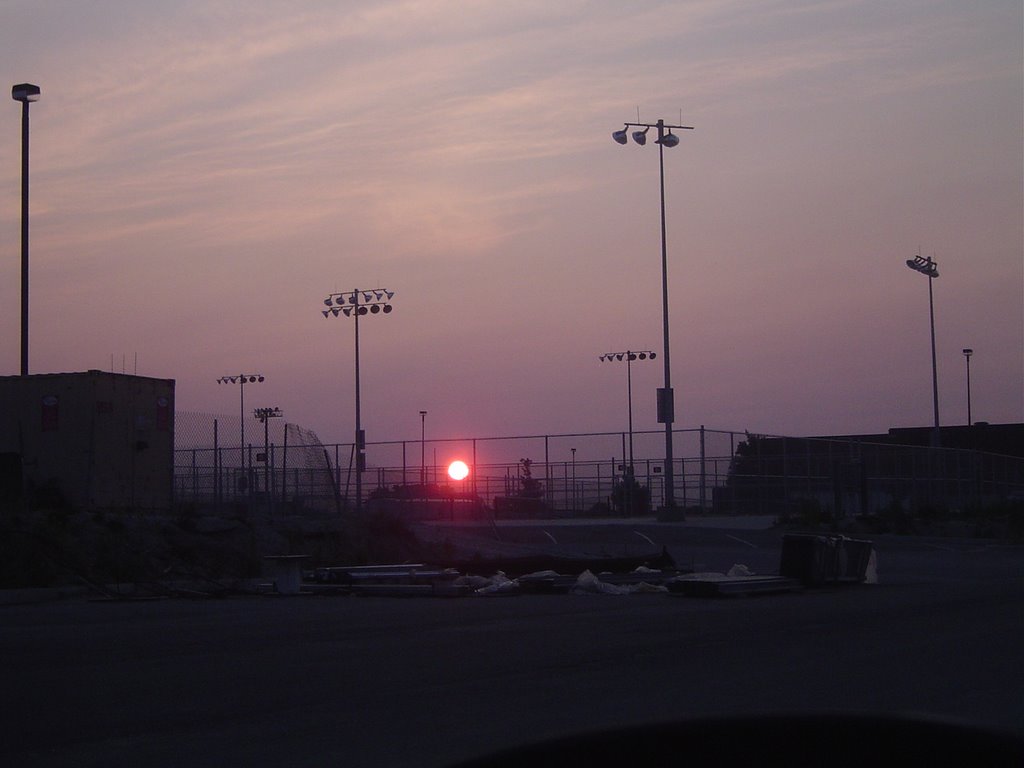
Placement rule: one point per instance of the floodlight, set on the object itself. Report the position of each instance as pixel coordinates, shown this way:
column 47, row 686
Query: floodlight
column 25, row 92
column 362, row 310
column 640, row 137
column 387, row 309
column 669, row 139
column 347, row 311
column 375, row 309
column 620, row 136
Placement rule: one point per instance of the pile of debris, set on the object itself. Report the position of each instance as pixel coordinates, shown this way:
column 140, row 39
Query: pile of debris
column 807, row 561
column 419, row 579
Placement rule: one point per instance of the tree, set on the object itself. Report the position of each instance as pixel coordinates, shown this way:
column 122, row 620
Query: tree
column 529, row 486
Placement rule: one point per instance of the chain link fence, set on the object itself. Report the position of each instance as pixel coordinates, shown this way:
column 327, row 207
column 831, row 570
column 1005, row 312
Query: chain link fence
column 286, row 468
column 277, row 461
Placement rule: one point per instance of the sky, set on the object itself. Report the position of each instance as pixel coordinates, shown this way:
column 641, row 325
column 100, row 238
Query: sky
column 204, row 174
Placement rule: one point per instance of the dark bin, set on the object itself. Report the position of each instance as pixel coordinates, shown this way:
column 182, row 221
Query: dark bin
column 854, row 556
column 817, row 559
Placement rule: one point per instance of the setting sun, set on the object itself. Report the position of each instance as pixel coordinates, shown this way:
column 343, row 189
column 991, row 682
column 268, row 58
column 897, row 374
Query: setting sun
column 458, row 470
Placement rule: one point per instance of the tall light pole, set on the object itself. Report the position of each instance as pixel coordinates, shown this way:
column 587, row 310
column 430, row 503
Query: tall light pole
column 423, row 463
column 629, row 356
column 26, row 93
column 967, row 357
column 241, row 379
column 348, row 303
column 666, row 400
column 930, row 269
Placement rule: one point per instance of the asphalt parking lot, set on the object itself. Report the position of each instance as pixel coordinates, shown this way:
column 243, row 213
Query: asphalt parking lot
column 375, row 681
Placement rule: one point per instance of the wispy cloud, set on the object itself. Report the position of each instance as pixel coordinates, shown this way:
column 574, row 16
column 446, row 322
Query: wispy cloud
column 224, row 151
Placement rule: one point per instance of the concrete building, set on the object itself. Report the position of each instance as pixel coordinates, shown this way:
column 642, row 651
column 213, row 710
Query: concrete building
column 90, row 440
column 979, row 467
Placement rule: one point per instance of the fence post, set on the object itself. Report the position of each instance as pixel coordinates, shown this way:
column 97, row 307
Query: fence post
column 732, row 458
column 337, row 475
column 549, row 498
column 681, row 474
column 703, row 473
column 334, row 484
column 216, row 468
column 565, row 485
column 284, row 468
column 272, row 490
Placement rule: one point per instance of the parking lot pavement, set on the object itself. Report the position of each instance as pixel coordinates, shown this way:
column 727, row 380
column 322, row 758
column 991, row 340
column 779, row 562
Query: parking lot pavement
column 375, row 681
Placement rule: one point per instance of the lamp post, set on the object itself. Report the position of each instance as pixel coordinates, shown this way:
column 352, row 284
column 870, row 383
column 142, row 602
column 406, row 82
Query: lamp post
column 967, row 357
column 348, row 303
column 666, row 400
column 26, row 93
column 629, row 356
column 423, row 463
column 265, row 415
column 930, row 269
column 241, row 379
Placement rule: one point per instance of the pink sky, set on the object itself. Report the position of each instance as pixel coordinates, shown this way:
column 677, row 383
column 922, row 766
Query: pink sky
column 204, row 174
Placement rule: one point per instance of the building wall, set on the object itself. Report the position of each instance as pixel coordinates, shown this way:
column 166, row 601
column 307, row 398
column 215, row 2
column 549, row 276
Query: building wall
column 101, row 440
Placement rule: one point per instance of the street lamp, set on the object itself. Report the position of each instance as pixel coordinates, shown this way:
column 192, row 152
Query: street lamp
column 666, row 401
column 930, row 269
column 348, row 303
column 242, row 379
column 967, row 357
column 26, row 93
column 629, row 356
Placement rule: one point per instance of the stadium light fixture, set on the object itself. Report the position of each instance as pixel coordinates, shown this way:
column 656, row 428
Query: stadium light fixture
column 376, row 301
column 928, row 267
column 629, row 356
column 241, row 379
column 666, row 400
